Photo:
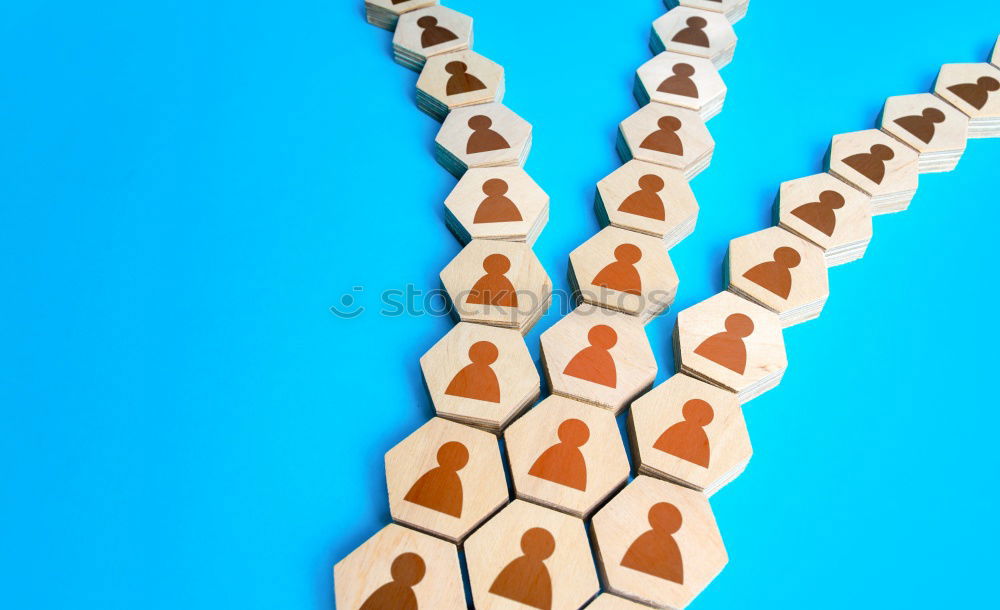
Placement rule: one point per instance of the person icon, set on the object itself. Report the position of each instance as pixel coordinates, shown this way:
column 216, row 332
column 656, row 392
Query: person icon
column 484, row 139
column 775, row 275
column 477, row 380
column 694, row 34
column 665, row 139
column 820, row 214
column 460, row 80
column 526, row 580
column 978, row 93
column 494, row 288
column 407, row 570
column 645, row 202
column 433, row 34
column 922, row 125
column 440, row 488
column 680, row 83
column 594, row 362
column 622, row 275
column 655, row 552
column 871, row 164
column 728, row 348
column 687, row 439
column 563, row 463
column 496, row 207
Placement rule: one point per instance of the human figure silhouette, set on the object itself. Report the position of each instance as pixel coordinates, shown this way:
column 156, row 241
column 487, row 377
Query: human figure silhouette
column 407, row 570
column 440, row 488
column 622, row 275
column 645, row 202
column 563, row 463
column 433, row 33
column 460, row 80
column 694, row 34
column 680, row 83
column 922, row 125
column 775, row 275
column 477, row 380
column 655, row 552
column 728, row 348
column 496, row 207
column 687, row 439
column 978, row 93
column 594, row 362
column 665, row 139
column 494, row 288
column 526, row 580
column 871, row 164
column 820, row 214
column 483, row 139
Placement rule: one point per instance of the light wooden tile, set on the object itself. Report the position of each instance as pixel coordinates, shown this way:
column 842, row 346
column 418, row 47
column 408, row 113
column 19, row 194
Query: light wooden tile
column 658, row 543
column 385, row 13
column 606, row 601
column 669, row 136
column 462, row 78
column 995, row 56
column 528, row 556
column 650, row 199
column 682, row 80
column 430, row 31
column 928, row 124
column 878, row 165
column 694, row 32
column 734, row 10
column 486, row 135
column 497, row 203
column 566, row 455
column 400, row 568
column 829, row 213
column 975, row 90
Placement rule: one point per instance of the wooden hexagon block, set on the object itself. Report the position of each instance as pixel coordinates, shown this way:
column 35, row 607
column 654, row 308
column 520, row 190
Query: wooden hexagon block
column 427, row 32
column 694, row 32
column 480, row 375
column 648, row 198
column 728, row 341
column 690, row 433
column 400, row 568
column 497, row 203
column 995, row 56
column 734, row 10
column 445, row 479
column 625, row 271
column 385, row 13
column 606, row 601
column 681, row 80
column 598, row 356
column 528, row 556
column 667, row 135
column 485, row 135
column 780, row 271
column 930, row 125
column 879, row 165
column 566, row 455
column 975, row 90
column 453, row 80
column 829, row 213
column 658, row 543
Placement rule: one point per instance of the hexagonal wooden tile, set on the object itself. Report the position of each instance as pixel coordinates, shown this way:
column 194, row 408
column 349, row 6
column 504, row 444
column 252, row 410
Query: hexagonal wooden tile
column 445, row 479
column 497, row 203
column 400, row 568
column 728, row 341
column 650, row 199
column 598, row 356
column 480, row 375
column 385, row 13
column 606, row 601
column 690, row 433
column 625, row 271
column 877, row 164
column 694, row 32
column 667, row 135
column 485, row 135
column 929, row 124
column 975, row 90
column 658, row 543
column 453, row 80
column 530, row 556
column 566, row 455
column 734, row 10
column 829, row 213
column 499, row 283
column 780, row 271
column 681, row 80
column 430, row 31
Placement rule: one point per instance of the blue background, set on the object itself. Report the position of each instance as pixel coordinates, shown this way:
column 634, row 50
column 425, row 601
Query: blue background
column 187, row 187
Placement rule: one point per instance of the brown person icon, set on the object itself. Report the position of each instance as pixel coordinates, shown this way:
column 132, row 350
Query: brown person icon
column 483, row 139
column 460, row 80
column 496, row 207
column 978, row 93
column 440, row 488
column 871, row 164
column 922, row 125
column 407, row 570
column 687, row 439
column 728, row 348
column 477, row 380
column 563, row 463
column 680, row 83
column 433, row 33
column 775, row 275
column 820, row 214
column 594, row 362
column 655, row 552
column 645, row 202
column 621, row 275
column 494, row 288
column 526, row 580
column 694, row 34
column 665, row 139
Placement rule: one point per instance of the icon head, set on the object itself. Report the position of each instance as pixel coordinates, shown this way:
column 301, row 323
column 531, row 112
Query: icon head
column 494, row 187
column 664, row 517
column 989, row 83
column 408, row 569
column 697, row 22
column 933, row 115
column 669, row 123
column 628, row 253
column 787, row 257
column 832, row 199
column 698, row 412
column 456, row 67
column 651, row 182
column 483, row 352
column 602, row 336
column 480, row 122
column 574, row 432
column 496, row 263
column 683, row 69
column 537, row 543
column 452, row 455
column 427, row 21
column 739, row 325
column 881, row 151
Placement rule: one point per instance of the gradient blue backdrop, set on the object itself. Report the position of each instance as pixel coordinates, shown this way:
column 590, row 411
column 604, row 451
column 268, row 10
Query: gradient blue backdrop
column 187, row 187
